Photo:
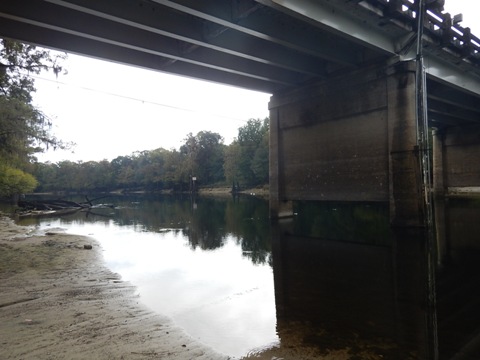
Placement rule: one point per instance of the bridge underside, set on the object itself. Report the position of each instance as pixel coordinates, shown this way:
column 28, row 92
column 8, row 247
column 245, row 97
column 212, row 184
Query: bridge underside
column 343, row 106
column 263, row 45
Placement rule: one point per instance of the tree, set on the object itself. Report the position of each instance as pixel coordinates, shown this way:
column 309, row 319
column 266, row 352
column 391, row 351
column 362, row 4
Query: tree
column 24, row 130
column 260, row 161
column 231, row 162
column 173, row 168
column 68, row 176
column 253, row 160
column 46, row 175
column 210, row 157
column 204, row 156
column 15, row 181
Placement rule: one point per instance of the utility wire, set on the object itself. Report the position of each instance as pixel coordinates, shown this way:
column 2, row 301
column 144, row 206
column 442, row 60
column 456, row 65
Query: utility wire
column 143, row 101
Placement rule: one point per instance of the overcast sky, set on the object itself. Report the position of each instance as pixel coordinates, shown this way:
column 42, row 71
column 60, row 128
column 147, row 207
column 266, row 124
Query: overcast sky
column 110, row 109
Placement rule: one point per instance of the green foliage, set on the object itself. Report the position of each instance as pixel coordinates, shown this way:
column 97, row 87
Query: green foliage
column 24, row 130
column 252, row 162
column 46, row 174
column 17, row 61
column 203, row 155
column 231, row 162
column 15, row 181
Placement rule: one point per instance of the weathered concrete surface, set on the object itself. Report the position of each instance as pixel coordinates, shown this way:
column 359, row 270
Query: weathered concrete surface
column 461, row 157
column 350, row 138
column 406, row 202
column 437, row 163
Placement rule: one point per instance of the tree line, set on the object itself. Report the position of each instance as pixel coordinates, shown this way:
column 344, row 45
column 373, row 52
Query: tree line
column 203, row 158
column 26, row 131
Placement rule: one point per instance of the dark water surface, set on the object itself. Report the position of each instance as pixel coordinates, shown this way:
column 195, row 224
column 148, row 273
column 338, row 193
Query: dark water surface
column 333, row 282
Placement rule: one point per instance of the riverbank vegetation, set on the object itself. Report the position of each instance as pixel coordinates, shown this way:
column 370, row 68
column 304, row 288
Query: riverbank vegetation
column 202, row 160
column 24, row 129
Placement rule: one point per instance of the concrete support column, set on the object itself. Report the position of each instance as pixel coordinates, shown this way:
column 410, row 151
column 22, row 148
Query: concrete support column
column 348, row 138
column 404, row 169
column 438, row 174
column 279, row 206
column 274, row 171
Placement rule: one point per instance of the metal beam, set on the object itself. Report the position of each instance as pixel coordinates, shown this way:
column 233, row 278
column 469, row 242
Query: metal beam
column 275, row 43
column 280, row 29
column 453, row 112
column 452, row 75
column 163, row 20
column 451, row 96
column 131, row 37
column 328, row 17
column 43, row 36
column 440, row 121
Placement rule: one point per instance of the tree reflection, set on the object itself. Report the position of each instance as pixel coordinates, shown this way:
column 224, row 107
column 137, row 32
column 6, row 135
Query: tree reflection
column 345, row 221
column 207, row 222
column 206, row 228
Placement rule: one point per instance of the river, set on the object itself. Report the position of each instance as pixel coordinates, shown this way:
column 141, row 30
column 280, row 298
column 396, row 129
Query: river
column 335, row 281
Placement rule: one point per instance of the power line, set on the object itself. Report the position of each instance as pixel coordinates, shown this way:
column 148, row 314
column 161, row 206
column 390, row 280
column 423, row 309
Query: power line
column 143, row 101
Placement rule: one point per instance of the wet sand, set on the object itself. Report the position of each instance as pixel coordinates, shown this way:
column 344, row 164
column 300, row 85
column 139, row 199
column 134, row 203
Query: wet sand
column 59, row 301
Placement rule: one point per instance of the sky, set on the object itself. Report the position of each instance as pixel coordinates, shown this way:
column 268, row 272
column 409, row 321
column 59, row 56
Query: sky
column 111, row 110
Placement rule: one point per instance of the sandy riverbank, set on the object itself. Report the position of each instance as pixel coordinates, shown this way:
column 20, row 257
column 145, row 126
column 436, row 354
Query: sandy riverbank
column 261, row 191
column 59, row 301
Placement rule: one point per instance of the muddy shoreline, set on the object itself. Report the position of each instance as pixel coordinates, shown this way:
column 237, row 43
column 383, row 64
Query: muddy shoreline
column 58, row 300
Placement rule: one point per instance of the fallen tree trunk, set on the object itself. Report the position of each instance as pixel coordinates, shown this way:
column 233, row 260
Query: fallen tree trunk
column 50, row 204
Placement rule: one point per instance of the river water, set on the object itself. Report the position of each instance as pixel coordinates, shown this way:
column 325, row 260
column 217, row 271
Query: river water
column 333, row 282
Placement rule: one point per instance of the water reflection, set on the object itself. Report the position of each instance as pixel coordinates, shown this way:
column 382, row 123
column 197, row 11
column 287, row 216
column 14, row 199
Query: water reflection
column 349, row 287
column 352, row 293
column 333, row 282
column 204, row 262
column 217, row 296
column 458, row 279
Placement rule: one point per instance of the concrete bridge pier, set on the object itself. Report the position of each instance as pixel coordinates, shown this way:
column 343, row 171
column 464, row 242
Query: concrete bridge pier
column 456, row 164
column 351, row 137
column 437, row 164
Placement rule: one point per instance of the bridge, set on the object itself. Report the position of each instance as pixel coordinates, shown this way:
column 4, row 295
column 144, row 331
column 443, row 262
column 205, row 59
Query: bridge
column 344, row 120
